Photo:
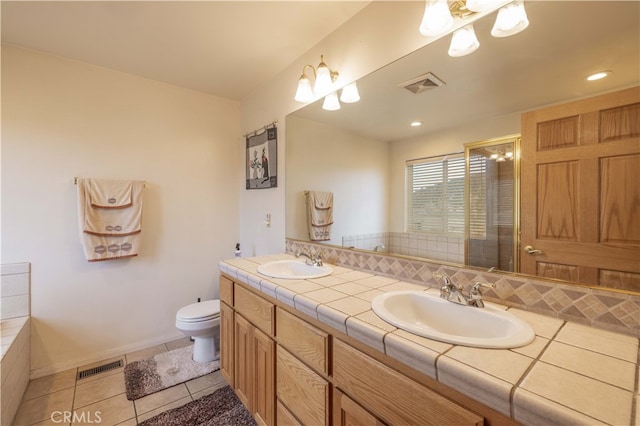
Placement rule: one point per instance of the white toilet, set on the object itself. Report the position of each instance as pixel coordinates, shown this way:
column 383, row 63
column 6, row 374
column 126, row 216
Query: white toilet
column 202, row 322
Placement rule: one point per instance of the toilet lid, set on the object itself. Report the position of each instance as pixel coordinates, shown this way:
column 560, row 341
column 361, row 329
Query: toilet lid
column 201, row 310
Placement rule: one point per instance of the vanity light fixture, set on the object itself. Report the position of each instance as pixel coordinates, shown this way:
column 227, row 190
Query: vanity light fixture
column 416, row 123
column 439, row 18
column 324, row 79
column 324, row 86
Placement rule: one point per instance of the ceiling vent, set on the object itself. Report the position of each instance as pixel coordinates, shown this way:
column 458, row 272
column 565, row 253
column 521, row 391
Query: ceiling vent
column 422, row 83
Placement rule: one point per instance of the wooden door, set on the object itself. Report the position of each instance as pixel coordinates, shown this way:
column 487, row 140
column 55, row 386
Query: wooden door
column 226, row 343
column 263, row 352
column 242, row 362
column 580, row 186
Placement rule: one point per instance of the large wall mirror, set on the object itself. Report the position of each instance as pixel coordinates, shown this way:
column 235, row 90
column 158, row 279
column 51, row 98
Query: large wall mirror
column 361, row 152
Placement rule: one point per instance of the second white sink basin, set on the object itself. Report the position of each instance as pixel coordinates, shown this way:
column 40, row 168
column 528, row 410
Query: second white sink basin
column 430, row 316
column 293, row 269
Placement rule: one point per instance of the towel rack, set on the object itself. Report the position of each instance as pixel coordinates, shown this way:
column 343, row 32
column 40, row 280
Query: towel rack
column 75, row 181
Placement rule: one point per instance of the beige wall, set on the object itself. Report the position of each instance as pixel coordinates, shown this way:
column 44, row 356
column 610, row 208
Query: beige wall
column 355, row 169
column 61, row 119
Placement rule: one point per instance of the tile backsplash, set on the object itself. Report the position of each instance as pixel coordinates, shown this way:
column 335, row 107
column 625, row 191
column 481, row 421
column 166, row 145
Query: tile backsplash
column 604, row 309
column 437, row 247
column 15, row 281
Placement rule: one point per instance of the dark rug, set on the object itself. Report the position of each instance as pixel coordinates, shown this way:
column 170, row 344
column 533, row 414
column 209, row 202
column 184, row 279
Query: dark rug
column 162, row 371
column 221, row 408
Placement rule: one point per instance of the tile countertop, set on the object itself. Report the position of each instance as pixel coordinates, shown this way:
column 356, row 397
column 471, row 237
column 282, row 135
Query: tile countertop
column 570, row 373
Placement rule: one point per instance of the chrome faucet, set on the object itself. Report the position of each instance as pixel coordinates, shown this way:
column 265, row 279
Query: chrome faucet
column 315, row 260
column 449, row 291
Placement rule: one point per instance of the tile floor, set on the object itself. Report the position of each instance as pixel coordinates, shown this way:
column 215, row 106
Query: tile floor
column 101, row 399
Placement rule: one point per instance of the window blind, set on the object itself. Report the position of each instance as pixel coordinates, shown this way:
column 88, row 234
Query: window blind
column 436, row 195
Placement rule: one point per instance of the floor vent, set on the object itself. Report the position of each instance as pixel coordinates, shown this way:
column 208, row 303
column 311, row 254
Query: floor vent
column 422, row 83
column 99, row 369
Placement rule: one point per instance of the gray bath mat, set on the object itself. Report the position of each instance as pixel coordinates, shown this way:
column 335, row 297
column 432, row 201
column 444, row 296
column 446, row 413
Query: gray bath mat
column 162, row 371
column 217, row 409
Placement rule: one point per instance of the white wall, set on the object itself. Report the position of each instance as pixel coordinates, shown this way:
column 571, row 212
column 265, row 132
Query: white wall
column 61, row 119
column 325, row 158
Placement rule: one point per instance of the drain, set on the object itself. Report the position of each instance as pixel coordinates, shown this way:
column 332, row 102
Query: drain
column 99, row 369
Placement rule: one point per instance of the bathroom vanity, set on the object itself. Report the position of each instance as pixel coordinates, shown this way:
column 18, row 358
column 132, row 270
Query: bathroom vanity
column 312, row 352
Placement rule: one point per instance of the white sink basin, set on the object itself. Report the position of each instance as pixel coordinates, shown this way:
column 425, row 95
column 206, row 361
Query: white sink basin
column 430, row 316
column 293, row 269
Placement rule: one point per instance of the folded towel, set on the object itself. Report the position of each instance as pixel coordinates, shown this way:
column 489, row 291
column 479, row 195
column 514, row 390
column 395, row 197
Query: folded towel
column 319, row 215
column 124, row 220
column 108, row 233
column 110, row 194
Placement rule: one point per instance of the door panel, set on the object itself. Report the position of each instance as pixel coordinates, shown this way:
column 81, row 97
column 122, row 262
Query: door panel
column 580, row 208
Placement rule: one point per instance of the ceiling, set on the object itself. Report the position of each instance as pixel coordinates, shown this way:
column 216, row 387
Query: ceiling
column 547, row 63
column 224, row 48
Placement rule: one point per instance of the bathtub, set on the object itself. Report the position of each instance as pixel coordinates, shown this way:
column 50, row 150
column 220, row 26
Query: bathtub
column 15, row 337
column 14, row 364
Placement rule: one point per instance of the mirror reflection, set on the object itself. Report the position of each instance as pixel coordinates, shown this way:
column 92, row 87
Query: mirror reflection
column 361, row 152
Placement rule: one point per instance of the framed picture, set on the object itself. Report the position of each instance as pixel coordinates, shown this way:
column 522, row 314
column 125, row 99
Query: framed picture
column 262, row 159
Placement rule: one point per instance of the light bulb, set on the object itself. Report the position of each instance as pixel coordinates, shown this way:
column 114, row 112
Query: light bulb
column 437, row 18
column 350, row 93
column 304, row 92
column 331, row 102
column 463, row 41
column 323, row 79
column 511, row 19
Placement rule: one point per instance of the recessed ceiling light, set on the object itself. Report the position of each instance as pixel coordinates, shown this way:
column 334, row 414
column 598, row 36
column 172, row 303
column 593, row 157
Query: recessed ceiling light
column 416, row 123
column 598, row 75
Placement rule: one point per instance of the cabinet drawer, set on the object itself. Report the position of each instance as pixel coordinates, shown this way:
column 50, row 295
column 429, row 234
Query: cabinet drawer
column 395, row 398
column 307, row 342
column 304, row 392
column 258, row 311
column 226, row 290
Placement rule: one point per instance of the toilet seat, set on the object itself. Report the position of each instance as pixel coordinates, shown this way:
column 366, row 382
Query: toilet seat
column 199, row 312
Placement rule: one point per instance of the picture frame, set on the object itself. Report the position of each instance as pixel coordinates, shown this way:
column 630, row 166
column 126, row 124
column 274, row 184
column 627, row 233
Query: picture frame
column 262, row 159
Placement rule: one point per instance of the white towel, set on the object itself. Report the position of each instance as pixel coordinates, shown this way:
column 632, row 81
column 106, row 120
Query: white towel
column 110, row 221
column 319, row 215
column 110, row 194
column 108, row 233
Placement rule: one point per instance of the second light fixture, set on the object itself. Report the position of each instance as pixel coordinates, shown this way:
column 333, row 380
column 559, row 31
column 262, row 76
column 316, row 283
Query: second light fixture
column 325, row 79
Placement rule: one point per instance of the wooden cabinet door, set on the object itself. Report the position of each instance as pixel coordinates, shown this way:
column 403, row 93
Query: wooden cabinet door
column 580, row 203
column 346, row 412
column 263, row 351
column 226, row 343
column 244, row 375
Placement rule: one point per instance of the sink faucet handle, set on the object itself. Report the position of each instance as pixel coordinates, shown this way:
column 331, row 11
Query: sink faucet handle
column 476, row 287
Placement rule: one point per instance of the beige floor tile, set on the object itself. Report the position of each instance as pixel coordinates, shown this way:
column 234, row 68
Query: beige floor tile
column 175, row 404
column 162, row 398
column 130, row 422
column 104, row 373
column 59, row 420
column 42, row 408
column 49, row 384
column 145, row 353
column 97, row 390
column 212, row 380
column 110, row 411
column 179, row 343
column 205, row 392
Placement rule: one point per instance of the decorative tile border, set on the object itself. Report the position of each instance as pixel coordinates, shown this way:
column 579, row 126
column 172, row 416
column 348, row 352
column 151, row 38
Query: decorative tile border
column 598, row 308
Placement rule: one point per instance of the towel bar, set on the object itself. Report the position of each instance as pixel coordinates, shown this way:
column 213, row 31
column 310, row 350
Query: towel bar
column 75, row 181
